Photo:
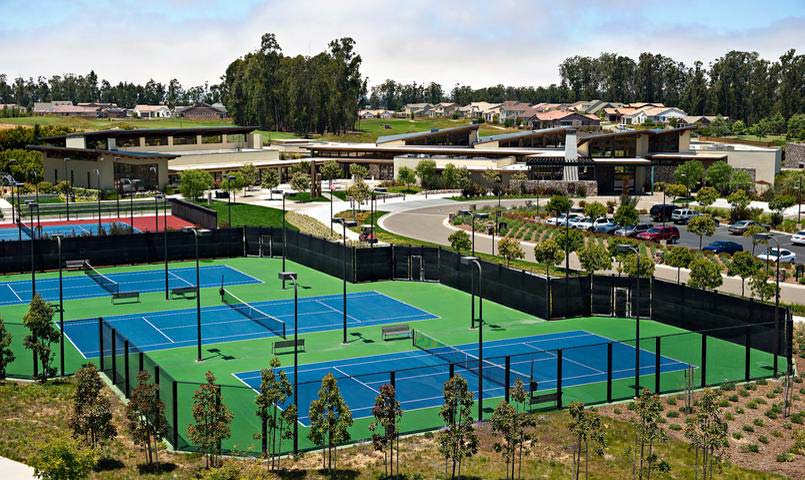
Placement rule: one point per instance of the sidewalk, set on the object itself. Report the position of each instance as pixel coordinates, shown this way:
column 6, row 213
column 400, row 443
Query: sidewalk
column 12, row 470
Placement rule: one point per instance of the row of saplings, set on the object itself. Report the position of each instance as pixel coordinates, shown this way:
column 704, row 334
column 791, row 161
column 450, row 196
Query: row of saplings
column 514, row 428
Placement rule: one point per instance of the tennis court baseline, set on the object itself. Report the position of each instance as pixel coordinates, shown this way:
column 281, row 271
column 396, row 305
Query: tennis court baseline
column 420, row 374
column 173, row 329
column 83, row 286
column 70, row 230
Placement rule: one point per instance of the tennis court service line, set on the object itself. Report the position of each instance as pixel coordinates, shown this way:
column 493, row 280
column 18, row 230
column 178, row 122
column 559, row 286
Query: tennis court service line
column 180, row 278
column 340, row 312
column 14, row 292
column 158, row 330
column 355, row 379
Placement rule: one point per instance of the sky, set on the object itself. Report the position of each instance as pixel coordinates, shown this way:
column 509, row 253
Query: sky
column 477, row 43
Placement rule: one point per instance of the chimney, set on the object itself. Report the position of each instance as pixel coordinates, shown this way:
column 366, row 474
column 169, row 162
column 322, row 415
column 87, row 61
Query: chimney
column 571, row 173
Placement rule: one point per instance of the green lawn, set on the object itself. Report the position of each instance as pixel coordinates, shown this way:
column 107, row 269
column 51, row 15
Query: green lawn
column 244, row 214
column 369, row 130
column 304, row 197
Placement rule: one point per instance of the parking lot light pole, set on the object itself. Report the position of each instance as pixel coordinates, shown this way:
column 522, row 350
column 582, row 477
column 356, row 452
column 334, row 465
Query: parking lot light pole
column 61, row 308
column 472, row 260
column 344, row 224
column 291, row 276
column 473, row 215
column 767, row 236
column 630, row 248
column 198, row 232
column 799, row 200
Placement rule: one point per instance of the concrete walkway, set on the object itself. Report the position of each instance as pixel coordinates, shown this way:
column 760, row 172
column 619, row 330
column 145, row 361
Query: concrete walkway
column 11, row 470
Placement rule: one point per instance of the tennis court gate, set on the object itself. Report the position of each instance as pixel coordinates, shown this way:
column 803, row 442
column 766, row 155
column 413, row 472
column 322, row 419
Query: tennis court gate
column 617, row 296
column 418, row 264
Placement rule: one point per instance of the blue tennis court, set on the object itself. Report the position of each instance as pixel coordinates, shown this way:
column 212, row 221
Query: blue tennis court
column 83, row 286
column 173, row 329
column 420, row 374
column 71, row 230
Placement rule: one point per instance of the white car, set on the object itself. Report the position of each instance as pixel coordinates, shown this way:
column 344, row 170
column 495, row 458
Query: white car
column 786, row 256
column 560, row 220
column 581, row 223
column 798, row 238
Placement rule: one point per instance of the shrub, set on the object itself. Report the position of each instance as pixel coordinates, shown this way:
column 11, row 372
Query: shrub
column 672, row 414
column 748, row 428
column 739, row 410
column 737, row 435
column 786, row 457
column 675, row 427
column 733, row 398
column 758, row 422
column 763, row 439
column 753, row 448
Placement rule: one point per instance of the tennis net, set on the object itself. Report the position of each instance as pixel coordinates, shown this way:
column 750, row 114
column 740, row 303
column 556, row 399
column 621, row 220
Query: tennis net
column 491, row 371
column 105, row 282
column 27, row 230
column 267, row 321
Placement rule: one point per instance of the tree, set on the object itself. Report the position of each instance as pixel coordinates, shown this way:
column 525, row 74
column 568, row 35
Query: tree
column 387, row 413
column 594, row 257
column 741, row 180
column 796, row 127
column 718, row 175
column 679, row 258
column 648, row 432
column 358, row 171
column 63, row 458
column 761, row 287
column 570, row 239
column 193, row 183
column 6, row 353
column 739, row 201
column 300, row 182
column 234, row 184
column 39, row 321
column 503, row 427
column 426, row 171
column 689, row 174
column 407, row 176
column 275, row 389
column 704, row 274
column 359, row 191
column 626, row 215
column 742, row 265
column 702, row 225
column 523, row 421
column 145, row 416
column 558, row 204
column 91, row 417
column 460, row 241
column 248, row 172
column 271, row 180
column 509, row 248
column 331, row 170
column 330, row 419
column 646, row 265
column 212, row 421
column 548, row 252
column 778, row 205
column 449, row 175
column 706, row 196
column 707, row 433
column 457, row 440
column 587, row 428
column 595, row 210
column 676, row 190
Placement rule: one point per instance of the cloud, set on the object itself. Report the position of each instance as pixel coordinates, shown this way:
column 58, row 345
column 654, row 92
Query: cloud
column 449, row 41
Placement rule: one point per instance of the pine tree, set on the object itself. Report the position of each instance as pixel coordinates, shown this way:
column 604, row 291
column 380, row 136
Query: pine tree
column 458, row 440
column 145, row 414
column 91, row 417
column 275, row 389
column 39, row 320
column 387, row 413
column 212, row 420
column 330, row 419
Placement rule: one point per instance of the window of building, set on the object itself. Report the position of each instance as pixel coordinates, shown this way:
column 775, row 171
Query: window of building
column 236, row 138
column 128, row 142
column 100, row 144
column 156, row 140
column 184, row 140
column 212, row 139
column 141, row 172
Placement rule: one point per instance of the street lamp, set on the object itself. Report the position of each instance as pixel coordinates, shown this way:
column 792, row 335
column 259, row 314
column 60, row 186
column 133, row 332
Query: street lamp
column 69, row 186
column 9, row 179
column 98, row 177
column 472, row 260
column 284, row 237
column 33, row 206
column 229, row 180
column 798, row 188
column 291, row 276
column 344, row 224
column 156, row 197
column 474, row 215
column 61, row 308
column 198, row 232
column 630, row 248
column 767, row 236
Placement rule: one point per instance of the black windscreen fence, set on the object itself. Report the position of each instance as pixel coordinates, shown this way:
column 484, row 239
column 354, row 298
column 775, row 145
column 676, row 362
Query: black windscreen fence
column 570, row 297
column 415, row 263
column 372, row 264
column 195, row 214
column 610, row 294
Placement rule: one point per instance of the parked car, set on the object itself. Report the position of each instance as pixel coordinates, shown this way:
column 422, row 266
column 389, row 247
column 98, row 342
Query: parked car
column 741, row 226
column 607, row 227
column 633, row 230
column 583, row 223
column 655, row 234
column 724, row 246
column 683, row 215
column 786, row 256
column 560, row 220
column 662, row 212
column 798, row 238
column 366, row 234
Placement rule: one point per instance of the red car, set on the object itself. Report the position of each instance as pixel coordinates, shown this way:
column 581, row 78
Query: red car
column 655, row 234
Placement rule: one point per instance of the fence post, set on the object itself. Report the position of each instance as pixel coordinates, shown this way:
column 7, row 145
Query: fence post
column 114, row 357
column 747, row 354
column 704, row 360
column 142, row 362
column 175, row 419
column 506, row 383
column 609, row 372
column 156, row 375
column 452, row 370
column 100, row 342
column 559, row 379
column 393, row 380
column 36, row 364
column 657, row 356
column 126, row 375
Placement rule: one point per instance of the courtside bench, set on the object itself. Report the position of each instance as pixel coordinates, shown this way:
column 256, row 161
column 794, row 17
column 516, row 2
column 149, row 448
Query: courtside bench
column 283, row 344
column 395, row 331
column 184, row 292
column 128, row 297
column 75, row 264
column 535, row 398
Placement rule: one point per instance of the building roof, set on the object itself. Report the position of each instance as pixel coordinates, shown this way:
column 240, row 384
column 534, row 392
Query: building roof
column 560, row 114
column 72, row 109
column 523, row 134
column 138, row 132
column 430, row 133
column 93, row 152
column 149, row 108
column 632, row 133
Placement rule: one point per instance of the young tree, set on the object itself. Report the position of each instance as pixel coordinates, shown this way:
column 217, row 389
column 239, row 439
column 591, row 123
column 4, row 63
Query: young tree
column 503, row 426
column 275, row 389
column 63, row 458
column 679, row 258
column 587, row 428
column 718, row 175
column 457, row 440
column 460, row 241
column 706, row 196
column 626, row 215
column 548, row 252
column 689, row 174
column 358, row 171
column 407, row 176
column 570, row 239
column 235, row 184
column 676, row 190
column 594, row 257
column 648, row 433
column 595, row 210
column 6, row 353
column 707, row 434
column 646, row 265
column 43, row 333
column 426, row 171
column 300, row 182
column 248, row 172
column 523, row 422
column 778, row 205
column 510, row 249
column 742, row 265
column 271, row 180
column 91, row 418
column 702, row 225
column 387, row 413
column 193, row 183
column 704, row 274
column 331, row 170
column 558, row 204
column 359, row 191
column 145, row 415
column 741, row 180
column 330, row 419
column 739, row 201
column 212, row 421
column 760, row 286
column 449, row 173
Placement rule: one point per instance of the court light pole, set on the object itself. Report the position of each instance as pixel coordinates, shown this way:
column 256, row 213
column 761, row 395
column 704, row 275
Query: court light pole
column 61, row 307
column 472, row 260
column 69, row 186
column 229, row 180
column 767, row 236
column 31, row 207
column 198, row 232
column 291, row 276
column 157, row 198
column 629, row 248
column 98, row 178
column 284, row 237
column 344, row 224
column 131, row 205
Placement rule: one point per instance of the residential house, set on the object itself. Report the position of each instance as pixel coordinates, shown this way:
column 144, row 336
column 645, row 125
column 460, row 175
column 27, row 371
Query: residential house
column 74, row 111
column 698, row 120
column 443, row 109
column 512, row 111
column 201, row 111
column 417, row 109
column 561, row 118
column 44, row 108
column 374, row 113
column 492, row 113
column 152, row 111
column 475, row 109
column 664, row 115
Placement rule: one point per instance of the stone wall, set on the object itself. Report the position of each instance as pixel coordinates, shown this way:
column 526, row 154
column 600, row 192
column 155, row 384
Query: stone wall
column 794, row 155
column 555, row 187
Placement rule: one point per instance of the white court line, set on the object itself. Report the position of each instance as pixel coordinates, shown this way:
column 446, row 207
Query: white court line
column 157, row 329
column 355, row 379
column 340, row 312
column 239, row 271
column 180, row 278
column 14, row 292
column 76, row 346
column 565, row 358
